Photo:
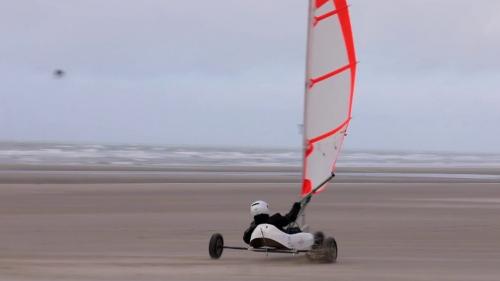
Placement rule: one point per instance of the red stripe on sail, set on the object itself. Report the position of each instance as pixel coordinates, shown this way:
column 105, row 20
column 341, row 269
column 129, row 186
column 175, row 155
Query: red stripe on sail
column 309, row 149
column 351, row 97
column 314, row 81
column 317, row 19
column 330, row 133
column 304, row 173
column 325, row 16
column 345, row 24
column 306, row 187
column 320, row 3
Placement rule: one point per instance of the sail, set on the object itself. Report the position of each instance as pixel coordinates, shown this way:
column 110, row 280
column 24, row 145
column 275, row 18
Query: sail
column 330, row 76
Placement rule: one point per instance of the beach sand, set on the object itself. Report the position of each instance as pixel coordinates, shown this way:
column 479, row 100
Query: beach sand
column 74, row 225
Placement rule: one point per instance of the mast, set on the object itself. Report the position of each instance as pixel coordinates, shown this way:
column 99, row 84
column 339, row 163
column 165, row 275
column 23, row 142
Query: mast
column 306, row 86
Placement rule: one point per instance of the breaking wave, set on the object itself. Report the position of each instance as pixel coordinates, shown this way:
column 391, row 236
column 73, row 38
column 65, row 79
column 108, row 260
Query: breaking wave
column 97, row 154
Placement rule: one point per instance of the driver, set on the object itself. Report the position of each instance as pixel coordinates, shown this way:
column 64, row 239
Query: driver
column 260, row 213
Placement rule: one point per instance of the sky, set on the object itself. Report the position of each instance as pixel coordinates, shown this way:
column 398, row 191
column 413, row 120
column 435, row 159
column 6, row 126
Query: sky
column 227, row 72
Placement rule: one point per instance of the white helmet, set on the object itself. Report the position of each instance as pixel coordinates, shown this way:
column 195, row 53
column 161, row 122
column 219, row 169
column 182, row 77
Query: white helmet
column 258, row 208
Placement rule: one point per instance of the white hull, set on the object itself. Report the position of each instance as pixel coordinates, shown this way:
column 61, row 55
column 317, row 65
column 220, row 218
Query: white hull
column 270, row 236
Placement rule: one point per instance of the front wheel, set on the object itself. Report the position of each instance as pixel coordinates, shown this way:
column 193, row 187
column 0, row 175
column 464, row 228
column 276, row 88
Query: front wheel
column 216, row 246
column 330, row 247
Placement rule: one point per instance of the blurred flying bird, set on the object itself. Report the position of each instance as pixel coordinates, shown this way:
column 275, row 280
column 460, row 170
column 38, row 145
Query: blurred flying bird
column 58, row 73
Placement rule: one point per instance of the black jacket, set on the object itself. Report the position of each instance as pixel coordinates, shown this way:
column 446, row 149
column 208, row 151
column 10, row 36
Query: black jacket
column 277, row 220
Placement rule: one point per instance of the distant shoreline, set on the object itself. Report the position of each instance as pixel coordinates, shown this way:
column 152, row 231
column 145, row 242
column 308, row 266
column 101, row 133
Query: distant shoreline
column 92, row 174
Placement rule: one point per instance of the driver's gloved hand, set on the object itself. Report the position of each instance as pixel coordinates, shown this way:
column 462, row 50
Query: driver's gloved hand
column 297, row 205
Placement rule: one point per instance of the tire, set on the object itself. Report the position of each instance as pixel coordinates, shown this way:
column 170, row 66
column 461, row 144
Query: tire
column 216, row 246
column 331, row 251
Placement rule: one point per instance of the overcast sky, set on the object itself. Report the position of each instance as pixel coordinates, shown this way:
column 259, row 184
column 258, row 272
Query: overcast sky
column 231, row 72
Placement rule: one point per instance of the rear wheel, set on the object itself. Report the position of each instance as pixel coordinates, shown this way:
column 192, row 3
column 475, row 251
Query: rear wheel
column 330, row 247
column 216, row 246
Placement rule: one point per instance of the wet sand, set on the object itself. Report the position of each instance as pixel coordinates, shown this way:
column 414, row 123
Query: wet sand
column 89, row 230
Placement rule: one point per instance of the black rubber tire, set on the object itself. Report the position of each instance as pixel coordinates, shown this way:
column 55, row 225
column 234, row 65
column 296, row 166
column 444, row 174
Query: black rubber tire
column 331, row 250
column 216, row 246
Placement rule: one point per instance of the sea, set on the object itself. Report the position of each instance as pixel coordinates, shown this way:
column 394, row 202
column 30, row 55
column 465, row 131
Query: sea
column 160, row 155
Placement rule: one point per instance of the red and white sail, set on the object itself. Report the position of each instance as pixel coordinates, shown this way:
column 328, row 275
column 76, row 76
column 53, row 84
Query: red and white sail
column 330, row 76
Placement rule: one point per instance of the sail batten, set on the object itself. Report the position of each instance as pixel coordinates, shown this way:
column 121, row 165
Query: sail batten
column 313, row 81
column 330, row 133
column 330, row 76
